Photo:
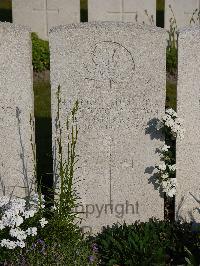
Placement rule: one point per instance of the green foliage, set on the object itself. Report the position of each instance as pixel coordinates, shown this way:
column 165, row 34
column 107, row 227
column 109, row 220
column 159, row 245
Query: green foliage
column 40, row 53
column 160, row 4
column 6, row 10
column 6, row 4
column 60, row 243
column 65, row 166
column 172, row 60
column 42, row 96
column 171, row 96
column 152, row 243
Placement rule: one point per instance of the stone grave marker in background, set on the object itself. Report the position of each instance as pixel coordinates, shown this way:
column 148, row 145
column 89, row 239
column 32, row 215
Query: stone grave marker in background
column 182, row 10
column 122, row 10
column 16, row 104
column 117, row 73
column 188, row 108
column 41, row 15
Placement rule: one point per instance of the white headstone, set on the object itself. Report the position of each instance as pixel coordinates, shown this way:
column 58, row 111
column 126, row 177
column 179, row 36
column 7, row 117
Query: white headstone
column 41, row 15
column 16, row 104
column 122, row 10
column 117, row 73
column 182, row 11
column 188, row 108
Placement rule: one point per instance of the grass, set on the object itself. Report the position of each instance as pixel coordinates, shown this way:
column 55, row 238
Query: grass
column 43, row 133
column 171, row 95
column 6, row 4
column 160, row 5
column 6, row 10
column 42, row 99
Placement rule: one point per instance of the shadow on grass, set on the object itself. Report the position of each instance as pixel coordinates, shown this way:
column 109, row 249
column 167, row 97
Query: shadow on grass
column 5, row 15
column 43, row 133
column 171, row 95
column 160, row 18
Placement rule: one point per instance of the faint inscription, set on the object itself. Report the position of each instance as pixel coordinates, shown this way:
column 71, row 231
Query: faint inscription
column 110, row 62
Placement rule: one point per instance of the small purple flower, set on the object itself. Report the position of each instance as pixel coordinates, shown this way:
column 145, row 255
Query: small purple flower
column 95, row 247
column 40, row 241
column 91, row 258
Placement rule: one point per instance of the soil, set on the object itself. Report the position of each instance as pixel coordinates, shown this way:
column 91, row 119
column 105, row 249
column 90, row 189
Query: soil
column 41, row 76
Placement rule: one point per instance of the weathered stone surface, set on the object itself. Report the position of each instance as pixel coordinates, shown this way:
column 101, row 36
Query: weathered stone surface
column 117, row 73
column 16, row 104
column 122, row 10
column 41, row 15
column 188, row 149
column 182, row 11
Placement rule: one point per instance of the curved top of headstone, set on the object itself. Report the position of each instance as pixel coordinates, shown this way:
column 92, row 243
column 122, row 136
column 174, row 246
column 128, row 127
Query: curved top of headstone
column 108, row 25
column 189, row 29
column 14, row 27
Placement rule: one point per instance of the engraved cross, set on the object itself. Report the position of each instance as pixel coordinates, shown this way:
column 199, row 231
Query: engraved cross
column 122, row 11
column 46, row 12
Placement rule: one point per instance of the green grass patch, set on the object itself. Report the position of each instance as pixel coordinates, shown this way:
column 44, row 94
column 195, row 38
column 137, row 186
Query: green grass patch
column 84, row 11
column 171, row 95
column 6, row 10
column 84, row 4
column 43, row 133
column 160, row 5
column 160, row 13
column 6, row 4
column 42, row 94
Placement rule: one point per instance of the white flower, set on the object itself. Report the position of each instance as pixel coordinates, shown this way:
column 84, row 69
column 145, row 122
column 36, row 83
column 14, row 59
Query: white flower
column 18, row 233
column 169, row 122
column 53, row 208
column 171, row 112
column 169, row 187
column 165, row 176
column 8, row 244
column 162, row 167
column 159, row 125
column 10, row 219
column 29, row 213
column 172, row 167
column 37, row 201
column 43, row 222
column 20, row 244
column 171, row 192
column 31, row 231
column 165, row 148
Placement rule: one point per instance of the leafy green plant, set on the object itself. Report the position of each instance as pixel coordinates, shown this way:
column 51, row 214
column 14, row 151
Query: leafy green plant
column 40, row 53
column 60, row 241
column 172, row 44
column 172, row 58
column 66, row 197
column 151, row 243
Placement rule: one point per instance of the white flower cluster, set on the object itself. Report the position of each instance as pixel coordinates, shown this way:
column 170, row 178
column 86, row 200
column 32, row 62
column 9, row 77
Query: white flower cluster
column 171, row 121
column 167, row 184
column 13, row 213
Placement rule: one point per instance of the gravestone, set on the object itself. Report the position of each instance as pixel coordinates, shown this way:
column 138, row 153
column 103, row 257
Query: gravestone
column 41, row 15
column 123, row 10
column 183, row 11
column 117, row 73
column 188, row 108
column 16, row 104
